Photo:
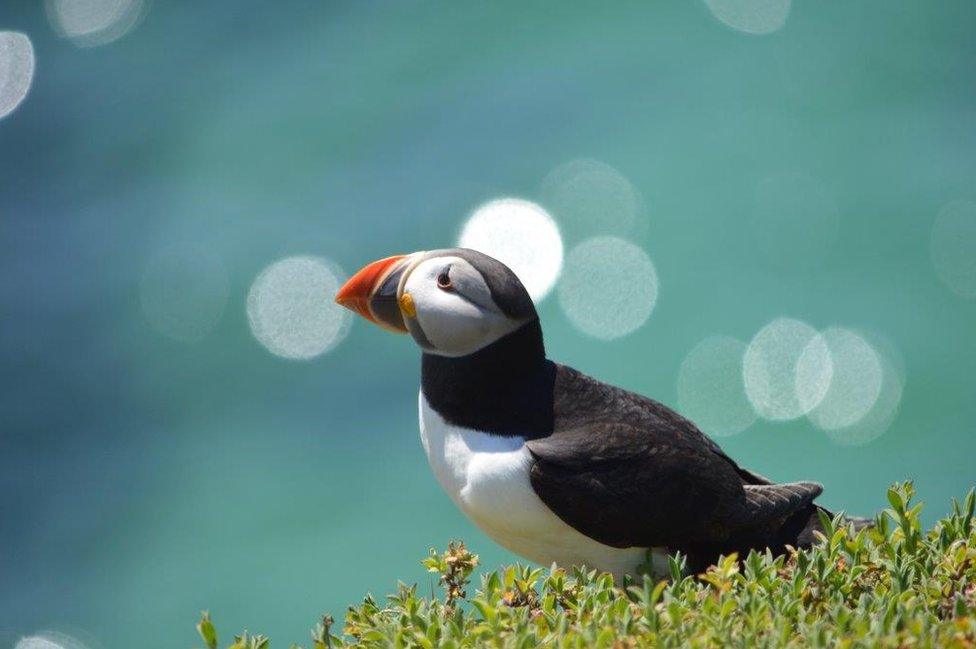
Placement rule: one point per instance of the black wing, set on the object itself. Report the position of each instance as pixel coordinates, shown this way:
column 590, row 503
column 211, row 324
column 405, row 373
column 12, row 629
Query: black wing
column 628, row 471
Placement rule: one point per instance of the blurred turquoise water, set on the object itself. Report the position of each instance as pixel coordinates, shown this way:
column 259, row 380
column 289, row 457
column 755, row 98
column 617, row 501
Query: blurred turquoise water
column 144, row 478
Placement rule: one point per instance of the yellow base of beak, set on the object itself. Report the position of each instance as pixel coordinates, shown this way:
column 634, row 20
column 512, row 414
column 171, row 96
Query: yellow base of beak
column 407, row 307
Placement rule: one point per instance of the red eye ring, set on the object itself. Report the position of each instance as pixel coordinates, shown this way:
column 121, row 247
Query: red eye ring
column 444, row 280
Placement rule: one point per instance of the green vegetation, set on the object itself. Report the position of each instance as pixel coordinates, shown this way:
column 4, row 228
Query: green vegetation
column 892, row 585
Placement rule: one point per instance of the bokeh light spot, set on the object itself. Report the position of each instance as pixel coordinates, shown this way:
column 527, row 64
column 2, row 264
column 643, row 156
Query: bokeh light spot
column 751, row 16
column 88, row 23
column 795, row 220
column 609, row 287
column 521, row 235
column 291, row 308
column 855, row 383
column 591, row 197
column 786, row 369
column 953, row 247
column 49, row 640
column 710, row 391
column 16, row 70
column 879, row 419
column 184, row 291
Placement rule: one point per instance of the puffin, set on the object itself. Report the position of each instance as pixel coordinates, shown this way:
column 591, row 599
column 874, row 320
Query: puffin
column 553, row 465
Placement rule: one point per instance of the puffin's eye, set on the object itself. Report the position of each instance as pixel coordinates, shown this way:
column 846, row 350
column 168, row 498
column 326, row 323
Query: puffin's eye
column 444, row 280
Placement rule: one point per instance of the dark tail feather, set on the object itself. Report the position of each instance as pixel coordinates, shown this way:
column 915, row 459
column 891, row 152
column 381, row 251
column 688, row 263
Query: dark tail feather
column 798, row 530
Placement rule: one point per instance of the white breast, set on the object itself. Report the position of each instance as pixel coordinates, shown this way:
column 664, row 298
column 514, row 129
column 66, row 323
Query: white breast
column 487, row 476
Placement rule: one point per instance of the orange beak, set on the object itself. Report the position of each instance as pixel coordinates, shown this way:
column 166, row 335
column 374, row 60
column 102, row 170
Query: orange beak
column 372, row 293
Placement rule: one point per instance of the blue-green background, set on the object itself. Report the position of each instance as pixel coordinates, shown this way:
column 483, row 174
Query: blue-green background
column 143, row 479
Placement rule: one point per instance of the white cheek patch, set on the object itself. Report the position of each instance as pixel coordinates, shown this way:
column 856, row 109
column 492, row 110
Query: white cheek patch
column 450, row 324
column 460, row 321
column 469, row 283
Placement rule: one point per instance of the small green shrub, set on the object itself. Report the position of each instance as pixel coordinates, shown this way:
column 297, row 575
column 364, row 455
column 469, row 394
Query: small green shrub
column 891, row 585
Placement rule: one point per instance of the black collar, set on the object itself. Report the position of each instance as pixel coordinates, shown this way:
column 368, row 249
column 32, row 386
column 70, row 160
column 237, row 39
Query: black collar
column 504, row 389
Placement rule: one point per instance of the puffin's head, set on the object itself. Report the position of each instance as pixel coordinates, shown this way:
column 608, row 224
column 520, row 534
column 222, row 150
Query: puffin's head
column 453, row 301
